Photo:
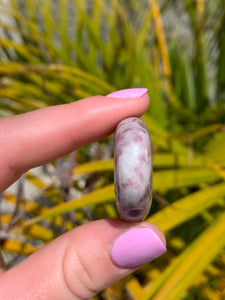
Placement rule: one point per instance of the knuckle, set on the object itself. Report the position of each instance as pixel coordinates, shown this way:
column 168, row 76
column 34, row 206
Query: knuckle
column 87, row 279
column 81, row 283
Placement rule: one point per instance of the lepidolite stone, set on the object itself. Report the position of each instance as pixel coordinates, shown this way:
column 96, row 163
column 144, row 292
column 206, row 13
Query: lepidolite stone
column 132, row 169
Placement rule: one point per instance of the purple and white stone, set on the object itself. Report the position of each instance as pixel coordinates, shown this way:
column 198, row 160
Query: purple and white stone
column 132, row 169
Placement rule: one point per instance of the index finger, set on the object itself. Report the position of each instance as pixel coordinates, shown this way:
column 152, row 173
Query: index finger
column 35, row 138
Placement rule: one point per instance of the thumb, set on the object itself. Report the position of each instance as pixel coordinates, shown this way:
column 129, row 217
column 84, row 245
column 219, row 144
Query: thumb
column 84, row 261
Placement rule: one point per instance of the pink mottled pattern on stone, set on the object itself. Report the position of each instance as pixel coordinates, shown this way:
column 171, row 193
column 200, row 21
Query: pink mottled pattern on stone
column 133, row 169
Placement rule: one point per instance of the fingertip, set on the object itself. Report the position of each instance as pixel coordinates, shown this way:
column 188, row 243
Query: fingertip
column 138, row 245
column 137, row 97
column 158, row 232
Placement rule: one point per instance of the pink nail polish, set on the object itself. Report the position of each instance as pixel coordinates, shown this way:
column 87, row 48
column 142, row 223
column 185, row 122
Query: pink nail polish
column 136, row 247
column 128, row 93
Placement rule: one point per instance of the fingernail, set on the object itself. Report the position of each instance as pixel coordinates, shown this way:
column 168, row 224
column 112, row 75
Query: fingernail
column 128, row 93
column 136, row 247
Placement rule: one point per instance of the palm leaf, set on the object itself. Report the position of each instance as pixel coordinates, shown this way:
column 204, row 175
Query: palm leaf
column 185, row 269
column 99, row 196
column 188, row 207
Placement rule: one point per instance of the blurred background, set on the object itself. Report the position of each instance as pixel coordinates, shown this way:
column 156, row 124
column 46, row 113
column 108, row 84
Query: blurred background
column 59, row 51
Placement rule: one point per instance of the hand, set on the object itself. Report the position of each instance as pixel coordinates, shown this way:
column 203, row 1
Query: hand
column 91, row 257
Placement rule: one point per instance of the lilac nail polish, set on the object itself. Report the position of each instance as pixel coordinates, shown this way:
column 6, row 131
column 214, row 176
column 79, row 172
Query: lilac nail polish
column 136, row 247
column 128, row 93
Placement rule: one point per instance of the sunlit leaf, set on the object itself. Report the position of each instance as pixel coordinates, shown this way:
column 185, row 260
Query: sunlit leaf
column 184, row 269
column 188, row 207
column 99, row 196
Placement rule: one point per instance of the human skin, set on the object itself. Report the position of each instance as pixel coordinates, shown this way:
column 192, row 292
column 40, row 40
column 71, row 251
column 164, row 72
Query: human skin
column 66, row 268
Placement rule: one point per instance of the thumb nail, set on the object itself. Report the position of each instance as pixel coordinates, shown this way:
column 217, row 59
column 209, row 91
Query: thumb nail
column 136, row 247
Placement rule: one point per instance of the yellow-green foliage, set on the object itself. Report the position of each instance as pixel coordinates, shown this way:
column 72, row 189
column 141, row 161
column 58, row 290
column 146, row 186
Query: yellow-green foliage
column 54, row 52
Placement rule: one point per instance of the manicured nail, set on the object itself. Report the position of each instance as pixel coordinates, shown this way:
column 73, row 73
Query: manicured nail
column 128, row 93
column 136, row 247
